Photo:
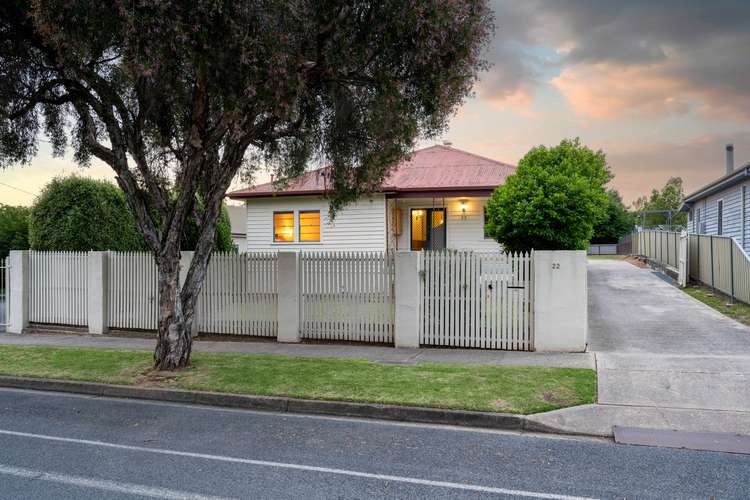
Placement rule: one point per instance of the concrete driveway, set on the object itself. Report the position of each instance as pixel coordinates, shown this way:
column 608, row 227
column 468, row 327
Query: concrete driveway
column 664, row 359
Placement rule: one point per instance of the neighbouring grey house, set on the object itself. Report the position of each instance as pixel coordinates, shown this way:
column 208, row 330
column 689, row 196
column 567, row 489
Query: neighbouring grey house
column 721, row 207
column 237, row 220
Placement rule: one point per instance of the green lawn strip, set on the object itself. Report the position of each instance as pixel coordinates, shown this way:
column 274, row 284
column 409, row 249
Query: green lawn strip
column 513, row 389
column 607, row 257
column 722, row 303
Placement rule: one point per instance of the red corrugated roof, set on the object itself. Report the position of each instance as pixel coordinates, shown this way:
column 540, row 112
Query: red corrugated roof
column 434, row 169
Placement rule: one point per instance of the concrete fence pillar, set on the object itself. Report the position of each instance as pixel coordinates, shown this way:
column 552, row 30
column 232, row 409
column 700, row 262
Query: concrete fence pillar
column 560, row 300
column 186, row 258
column 406, row 332
column 98, row 294
column 288, row 297
column 18, row 291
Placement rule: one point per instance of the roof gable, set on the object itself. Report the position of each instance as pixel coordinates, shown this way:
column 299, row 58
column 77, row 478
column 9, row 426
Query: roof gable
column 432, row 169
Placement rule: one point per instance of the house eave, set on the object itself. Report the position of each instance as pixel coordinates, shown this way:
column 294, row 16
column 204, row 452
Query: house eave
column 719, row 184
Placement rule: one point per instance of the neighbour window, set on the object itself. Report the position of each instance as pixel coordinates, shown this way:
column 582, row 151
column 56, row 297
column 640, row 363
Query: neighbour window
column 720, row 217
column 697, row 220
column 283, row 226
column 309, row 225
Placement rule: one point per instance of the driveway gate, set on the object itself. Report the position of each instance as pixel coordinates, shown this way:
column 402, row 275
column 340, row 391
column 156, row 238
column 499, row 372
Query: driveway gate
column 472, row 299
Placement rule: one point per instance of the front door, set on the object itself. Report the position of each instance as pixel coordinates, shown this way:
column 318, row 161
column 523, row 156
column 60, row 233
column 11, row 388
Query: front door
column 427, row 228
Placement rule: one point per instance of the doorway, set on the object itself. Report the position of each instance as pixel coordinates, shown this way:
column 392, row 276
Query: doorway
column 427, row 229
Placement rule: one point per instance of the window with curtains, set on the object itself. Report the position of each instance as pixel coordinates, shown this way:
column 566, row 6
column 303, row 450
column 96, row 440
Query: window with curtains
column 309, row 225
column 283, row 227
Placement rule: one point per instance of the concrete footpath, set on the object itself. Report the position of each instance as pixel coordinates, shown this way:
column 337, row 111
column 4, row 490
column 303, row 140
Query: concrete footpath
column 664, row 360
column 381, row 354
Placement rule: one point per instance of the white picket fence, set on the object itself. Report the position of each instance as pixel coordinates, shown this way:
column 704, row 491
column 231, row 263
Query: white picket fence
column 133, row 291
column 58, row 284
column 4, row 302
column 347, row 296
column 472, row 299
column 240, row 295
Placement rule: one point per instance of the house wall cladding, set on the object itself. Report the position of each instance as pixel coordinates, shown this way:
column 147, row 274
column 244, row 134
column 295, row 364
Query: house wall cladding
column 463, row 230
column 735, row 220
column 358, row 226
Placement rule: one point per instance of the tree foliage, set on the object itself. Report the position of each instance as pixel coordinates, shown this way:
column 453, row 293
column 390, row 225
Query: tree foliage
column 186, row 94
column 618, row 222
column 80, row 214
column 14, row 229
column 668, row 198
column 553, row 201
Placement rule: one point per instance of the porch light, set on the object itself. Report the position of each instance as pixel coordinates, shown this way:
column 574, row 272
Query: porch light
column 462, row 204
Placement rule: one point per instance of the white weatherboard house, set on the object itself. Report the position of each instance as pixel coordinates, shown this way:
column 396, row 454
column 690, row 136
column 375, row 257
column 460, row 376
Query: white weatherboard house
column 431, row 201
column 722, row 207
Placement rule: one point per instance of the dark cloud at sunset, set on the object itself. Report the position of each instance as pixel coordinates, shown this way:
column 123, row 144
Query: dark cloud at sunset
column 660, row 86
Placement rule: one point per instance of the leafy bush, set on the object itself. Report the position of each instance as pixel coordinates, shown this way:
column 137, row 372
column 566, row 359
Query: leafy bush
column 14, row 229
column 553, row 201
column 79, row 214
column 618, row 222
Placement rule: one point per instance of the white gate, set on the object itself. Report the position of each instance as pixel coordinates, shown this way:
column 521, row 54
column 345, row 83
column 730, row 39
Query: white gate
column 472, row 299
column 347, row 296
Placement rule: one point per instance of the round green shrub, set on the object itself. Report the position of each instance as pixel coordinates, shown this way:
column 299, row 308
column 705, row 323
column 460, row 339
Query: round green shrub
column 79, row 214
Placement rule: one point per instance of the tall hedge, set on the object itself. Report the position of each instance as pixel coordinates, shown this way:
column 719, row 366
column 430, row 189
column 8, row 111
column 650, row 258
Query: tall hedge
column 14, row 229
column 79, row 214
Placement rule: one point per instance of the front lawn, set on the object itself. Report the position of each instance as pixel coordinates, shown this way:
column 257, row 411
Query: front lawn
column 511, row 389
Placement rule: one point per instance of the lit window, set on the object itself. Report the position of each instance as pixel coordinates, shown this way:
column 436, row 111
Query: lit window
column 283, row 226
column 309, row 225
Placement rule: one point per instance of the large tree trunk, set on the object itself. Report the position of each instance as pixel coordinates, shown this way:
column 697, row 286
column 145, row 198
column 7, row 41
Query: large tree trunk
column 174, row 339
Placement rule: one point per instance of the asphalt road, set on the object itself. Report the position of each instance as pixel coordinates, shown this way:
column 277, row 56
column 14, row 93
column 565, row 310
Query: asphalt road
column 68, row 446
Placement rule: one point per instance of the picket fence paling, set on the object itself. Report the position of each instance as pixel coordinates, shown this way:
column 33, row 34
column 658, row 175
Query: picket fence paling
column 473, row 299
column 58, row 288
column 347, row 296
column 240, row 295
column 133, row 291
column 4, row 295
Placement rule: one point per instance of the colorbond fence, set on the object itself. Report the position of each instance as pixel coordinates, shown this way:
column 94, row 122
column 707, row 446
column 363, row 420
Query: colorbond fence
column 58, row 288
column 472, row 299
column 347, row 296
column 721, row 263
column 662, row 247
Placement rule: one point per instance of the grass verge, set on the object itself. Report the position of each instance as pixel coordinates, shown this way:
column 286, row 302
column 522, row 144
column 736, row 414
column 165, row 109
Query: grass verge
column 722, row 303
column 511, row 389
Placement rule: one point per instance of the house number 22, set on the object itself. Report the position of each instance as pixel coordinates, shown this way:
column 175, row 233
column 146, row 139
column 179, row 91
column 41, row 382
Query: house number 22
column 555, row 265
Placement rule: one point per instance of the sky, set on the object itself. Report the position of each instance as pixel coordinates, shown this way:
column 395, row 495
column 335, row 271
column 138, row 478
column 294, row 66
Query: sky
column 659, row 86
